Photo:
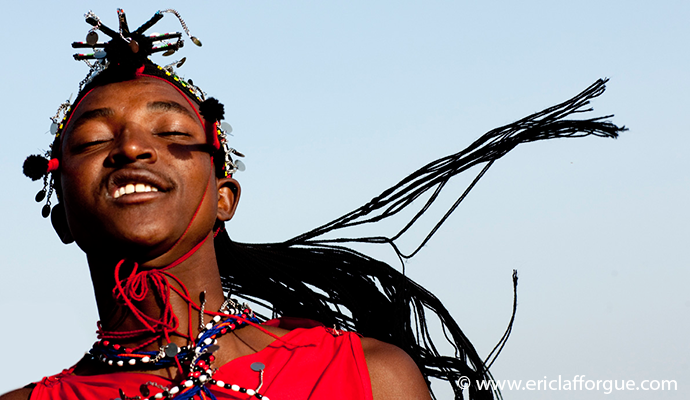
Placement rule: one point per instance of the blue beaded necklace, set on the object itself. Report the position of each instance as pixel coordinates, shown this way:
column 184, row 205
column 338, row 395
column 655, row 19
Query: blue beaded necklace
column 198, row 355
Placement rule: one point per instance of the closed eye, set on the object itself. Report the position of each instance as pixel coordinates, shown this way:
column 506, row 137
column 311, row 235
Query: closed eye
column 79, row 148
column 173, row 134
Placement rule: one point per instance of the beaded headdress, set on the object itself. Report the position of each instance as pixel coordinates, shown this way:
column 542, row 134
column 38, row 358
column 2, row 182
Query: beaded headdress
column 126, row 56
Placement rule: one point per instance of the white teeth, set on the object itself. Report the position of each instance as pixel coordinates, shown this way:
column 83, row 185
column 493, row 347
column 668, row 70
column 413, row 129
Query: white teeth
column 134, row 188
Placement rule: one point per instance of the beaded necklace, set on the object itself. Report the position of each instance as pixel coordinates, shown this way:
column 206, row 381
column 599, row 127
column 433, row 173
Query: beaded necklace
column 198, row 356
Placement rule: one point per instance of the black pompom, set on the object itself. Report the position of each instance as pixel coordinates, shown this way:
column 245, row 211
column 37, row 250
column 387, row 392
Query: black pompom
column 35, row 167
column 212, row 110
column 122, row 55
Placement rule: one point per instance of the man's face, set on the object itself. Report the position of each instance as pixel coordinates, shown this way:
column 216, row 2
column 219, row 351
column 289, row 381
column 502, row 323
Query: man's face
column 134, row 169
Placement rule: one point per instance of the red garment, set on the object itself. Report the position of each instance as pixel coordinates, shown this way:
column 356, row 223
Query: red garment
column 313, row 363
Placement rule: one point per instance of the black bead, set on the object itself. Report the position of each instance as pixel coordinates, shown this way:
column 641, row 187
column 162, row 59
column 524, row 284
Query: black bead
column 144, row 390
column 40, row 196
column 45, row 211
column 243, row 390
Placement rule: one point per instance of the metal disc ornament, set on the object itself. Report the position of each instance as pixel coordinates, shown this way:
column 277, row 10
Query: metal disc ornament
column 53, row 128
column 99, row 54
column 257, row 366
column 134, row 46
column 226, row 127
column 196, row 41
column 171, row 350
column 169, row 52
column 92, row 38
column 240, row 165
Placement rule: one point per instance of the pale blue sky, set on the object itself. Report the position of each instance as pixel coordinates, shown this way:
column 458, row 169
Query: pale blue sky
column 332, row 102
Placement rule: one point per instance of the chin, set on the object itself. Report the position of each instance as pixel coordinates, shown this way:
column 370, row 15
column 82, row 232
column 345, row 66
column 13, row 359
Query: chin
column 135, row 246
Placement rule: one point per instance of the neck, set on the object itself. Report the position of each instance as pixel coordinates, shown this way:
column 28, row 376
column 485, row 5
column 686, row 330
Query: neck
column 196, row 274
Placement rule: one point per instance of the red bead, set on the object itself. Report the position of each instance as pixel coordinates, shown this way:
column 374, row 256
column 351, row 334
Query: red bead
column 116, row 346
column 105, row 343
column 211, row 358
column 223, row 331
column 196, row 374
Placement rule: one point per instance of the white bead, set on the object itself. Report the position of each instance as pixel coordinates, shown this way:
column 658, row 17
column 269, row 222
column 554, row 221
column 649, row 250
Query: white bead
column 132, row 362
column 251, row 392
column 216, row 318
column 208, row 341
column 146, row 359
column 188, row 383
column 209, row 326
column 203, row 378
column 235, row 388
column 265, row 398
column 220, row 384
column 120, row 363
column 174, row 390
column 158, row 396
column 200, row 335
column 110, row 362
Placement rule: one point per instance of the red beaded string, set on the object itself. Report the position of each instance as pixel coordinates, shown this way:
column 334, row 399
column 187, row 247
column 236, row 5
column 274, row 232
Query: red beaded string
column 136, row 287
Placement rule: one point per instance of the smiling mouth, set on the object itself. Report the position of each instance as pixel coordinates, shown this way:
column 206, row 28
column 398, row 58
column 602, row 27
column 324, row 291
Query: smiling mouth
column 132, row 188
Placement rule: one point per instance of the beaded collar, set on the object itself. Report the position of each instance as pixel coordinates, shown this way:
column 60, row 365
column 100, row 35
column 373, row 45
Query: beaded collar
column 197, row 357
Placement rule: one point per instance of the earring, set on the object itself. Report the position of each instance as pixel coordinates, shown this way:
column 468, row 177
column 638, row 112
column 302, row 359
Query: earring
column 59, row 221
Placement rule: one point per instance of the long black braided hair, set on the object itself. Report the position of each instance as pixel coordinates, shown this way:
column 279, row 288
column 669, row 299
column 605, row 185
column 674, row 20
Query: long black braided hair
column 311, row 276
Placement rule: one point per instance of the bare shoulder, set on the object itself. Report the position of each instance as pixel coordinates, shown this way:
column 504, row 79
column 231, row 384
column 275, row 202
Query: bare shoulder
column 393, row 373
column 19, row 394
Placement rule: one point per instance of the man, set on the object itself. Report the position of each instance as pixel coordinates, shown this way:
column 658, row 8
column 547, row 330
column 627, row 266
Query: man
column 140, row 190
column 144, row 179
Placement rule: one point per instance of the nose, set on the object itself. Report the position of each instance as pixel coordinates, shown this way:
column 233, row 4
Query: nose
column 132, row 145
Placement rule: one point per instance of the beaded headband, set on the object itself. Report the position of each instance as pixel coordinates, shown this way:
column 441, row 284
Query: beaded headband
column 124, row 57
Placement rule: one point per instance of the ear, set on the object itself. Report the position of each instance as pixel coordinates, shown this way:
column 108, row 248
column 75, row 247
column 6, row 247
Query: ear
column 228, row 197
column 59, row 220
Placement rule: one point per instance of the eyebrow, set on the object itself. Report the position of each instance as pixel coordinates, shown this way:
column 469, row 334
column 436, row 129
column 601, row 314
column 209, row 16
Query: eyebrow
column 170, row 106
column 92, row 114
column 153, row 106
